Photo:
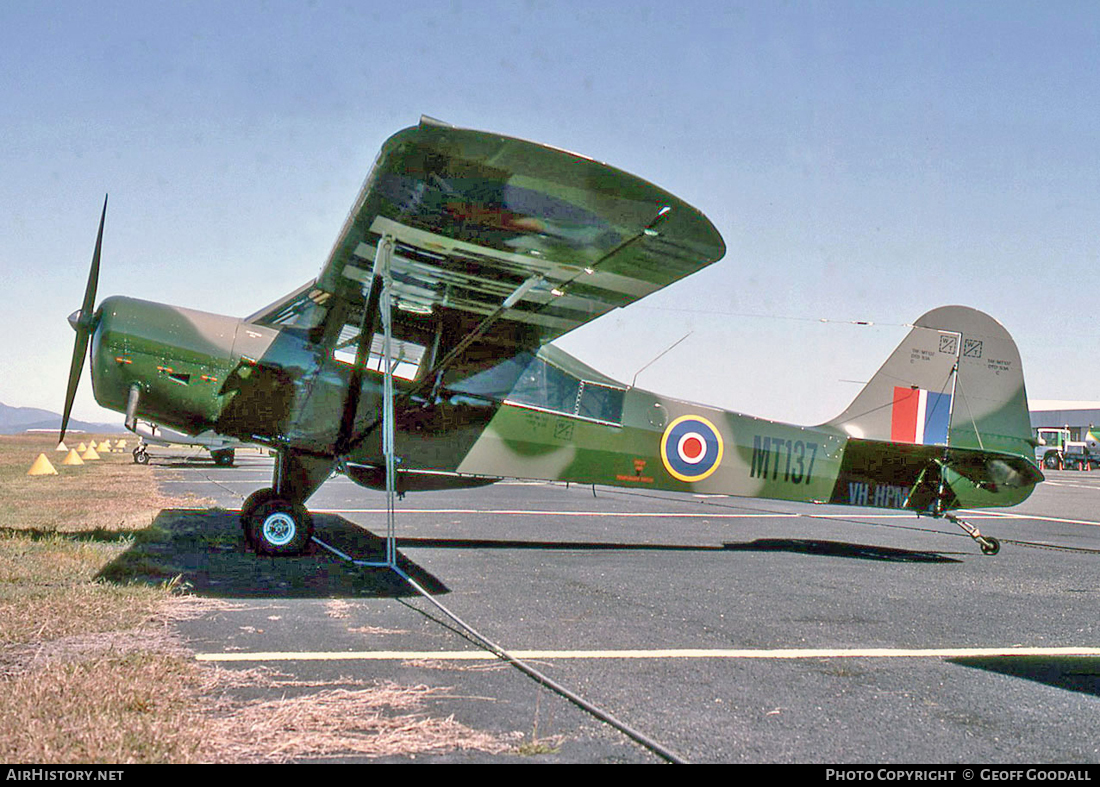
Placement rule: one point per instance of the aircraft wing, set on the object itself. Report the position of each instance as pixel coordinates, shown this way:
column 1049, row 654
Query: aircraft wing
column 480, row 218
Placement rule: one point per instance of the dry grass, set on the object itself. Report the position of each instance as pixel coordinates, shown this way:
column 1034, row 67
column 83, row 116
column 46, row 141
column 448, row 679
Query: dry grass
column 87, row 669
column 57, row 533
column 384, row 719
column 105, row 708
column 90, row 671
column 110, row 495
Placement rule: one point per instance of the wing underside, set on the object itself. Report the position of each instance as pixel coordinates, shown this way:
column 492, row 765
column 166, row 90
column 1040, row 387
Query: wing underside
column 479, row 219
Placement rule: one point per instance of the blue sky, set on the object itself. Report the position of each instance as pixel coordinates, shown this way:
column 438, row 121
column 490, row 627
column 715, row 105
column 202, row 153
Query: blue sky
column 863, row 161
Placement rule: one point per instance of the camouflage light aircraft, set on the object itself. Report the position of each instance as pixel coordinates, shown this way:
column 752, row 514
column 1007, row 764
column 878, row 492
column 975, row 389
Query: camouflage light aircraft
column 465, row 255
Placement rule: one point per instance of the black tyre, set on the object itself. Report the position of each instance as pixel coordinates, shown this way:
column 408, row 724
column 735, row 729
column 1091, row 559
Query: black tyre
column 277, row 527
column 249, row 506
column 141, row 456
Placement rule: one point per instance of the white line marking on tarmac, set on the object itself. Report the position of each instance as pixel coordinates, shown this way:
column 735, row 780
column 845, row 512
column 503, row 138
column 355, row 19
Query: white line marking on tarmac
column 684, row 515
column 1074, row 486
column 536, row 512
column 686, row 653
column 1006, row 515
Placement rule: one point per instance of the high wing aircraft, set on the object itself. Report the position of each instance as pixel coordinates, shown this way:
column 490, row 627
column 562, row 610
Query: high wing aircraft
column 223, row 450
column 421, row 357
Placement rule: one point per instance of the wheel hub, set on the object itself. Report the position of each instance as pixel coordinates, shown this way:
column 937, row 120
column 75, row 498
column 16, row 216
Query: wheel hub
column 279, row 529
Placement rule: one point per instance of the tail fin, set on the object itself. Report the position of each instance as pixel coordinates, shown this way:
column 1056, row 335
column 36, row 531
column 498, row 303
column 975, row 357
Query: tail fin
column 956, row 380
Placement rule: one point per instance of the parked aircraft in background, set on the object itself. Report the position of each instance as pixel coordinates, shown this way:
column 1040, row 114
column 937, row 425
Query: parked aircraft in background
column 222, row 449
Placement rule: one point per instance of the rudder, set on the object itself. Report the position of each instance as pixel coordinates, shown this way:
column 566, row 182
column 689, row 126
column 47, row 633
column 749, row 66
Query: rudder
column 918, row 398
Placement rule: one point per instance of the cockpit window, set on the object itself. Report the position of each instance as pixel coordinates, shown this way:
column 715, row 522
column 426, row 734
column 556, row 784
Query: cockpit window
column 600, row 402
column 307, row 311
column 303, row 309
column 544, row 386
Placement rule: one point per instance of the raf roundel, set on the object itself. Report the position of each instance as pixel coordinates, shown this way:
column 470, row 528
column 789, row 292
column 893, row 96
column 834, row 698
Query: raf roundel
column 691, row 448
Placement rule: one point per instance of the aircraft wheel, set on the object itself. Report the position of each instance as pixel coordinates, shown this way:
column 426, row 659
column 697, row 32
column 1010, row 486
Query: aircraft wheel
column 277, row 527
column 141, row 456
column 249, row 506
column 252, row 502
column 990, row 545
column 223, row 458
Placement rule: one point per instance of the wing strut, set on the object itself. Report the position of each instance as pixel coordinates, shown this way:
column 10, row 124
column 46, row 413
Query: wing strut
column 380, row 301
column 362, row 350
column 436, row 372
column 345, row 441
column 479, row 331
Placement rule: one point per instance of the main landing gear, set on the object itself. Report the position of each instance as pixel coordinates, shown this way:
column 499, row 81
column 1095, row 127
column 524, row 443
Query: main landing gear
column 141, row 455
column 275, row 526
column 275, row 520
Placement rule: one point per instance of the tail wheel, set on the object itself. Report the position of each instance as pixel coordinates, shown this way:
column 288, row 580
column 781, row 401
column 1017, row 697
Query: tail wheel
column 278, row 527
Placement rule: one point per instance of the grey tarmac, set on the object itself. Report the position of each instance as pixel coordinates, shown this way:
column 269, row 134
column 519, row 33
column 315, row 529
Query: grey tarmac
column 729, row 630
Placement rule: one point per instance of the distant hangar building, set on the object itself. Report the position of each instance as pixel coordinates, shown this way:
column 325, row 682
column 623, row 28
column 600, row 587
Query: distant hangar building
column 1057, row 413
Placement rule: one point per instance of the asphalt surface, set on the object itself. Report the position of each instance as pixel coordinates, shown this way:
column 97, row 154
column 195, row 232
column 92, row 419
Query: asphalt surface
column 725, row 629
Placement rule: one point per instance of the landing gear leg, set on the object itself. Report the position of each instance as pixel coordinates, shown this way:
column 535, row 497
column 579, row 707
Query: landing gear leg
column 942, row 498
column 988, row 544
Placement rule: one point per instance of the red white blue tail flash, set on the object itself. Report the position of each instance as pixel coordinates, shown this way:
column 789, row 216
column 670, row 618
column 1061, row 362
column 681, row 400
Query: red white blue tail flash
column 920, row 416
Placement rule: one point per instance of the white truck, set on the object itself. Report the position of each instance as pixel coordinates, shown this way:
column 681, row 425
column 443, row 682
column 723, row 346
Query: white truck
column 1054, row 450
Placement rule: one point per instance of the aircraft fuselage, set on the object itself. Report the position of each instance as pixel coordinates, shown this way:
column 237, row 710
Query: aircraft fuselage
column 278, row 386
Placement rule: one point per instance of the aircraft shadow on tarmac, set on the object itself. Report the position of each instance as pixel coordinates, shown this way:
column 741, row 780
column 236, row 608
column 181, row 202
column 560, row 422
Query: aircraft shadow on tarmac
column 839, row 549
column 1073, row 673
column 799, row 546
column 206, row 549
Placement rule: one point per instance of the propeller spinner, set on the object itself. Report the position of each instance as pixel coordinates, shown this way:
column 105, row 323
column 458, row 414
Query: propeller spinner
column 83, row 322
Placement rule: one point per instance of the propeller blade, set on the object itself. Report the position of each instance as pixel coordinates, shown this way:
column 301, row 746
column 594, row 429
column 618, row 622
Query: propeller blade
column 88, row 306
column 83, row 325
column 75, row 368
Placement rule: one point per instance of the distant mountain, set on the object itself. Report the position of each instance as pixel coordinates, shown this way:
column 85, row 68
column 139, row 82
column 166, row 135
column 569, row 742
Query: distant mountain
column 15, row 420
